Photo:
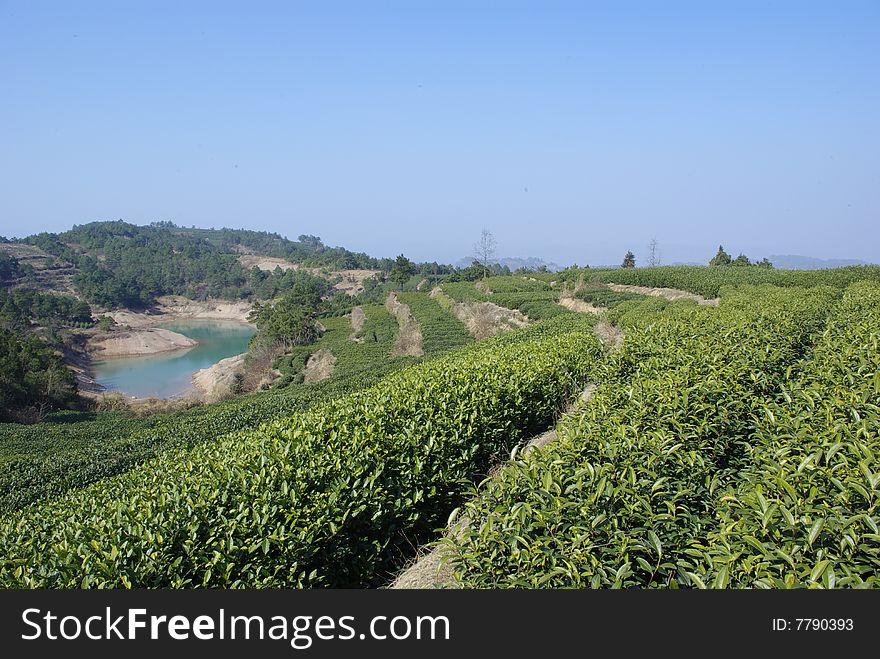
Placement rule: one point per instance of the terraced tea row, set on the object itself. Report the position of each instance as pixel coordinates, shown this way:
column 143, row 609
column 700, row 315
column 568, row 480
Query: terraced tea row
column 632, row 482
column 709, row 280
column 441, row 330
column 804, row 511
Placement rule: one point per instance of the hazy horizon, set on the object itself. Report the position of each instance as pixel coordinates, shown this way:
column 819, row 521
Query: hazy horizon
column 469, row 254
column 574, row 133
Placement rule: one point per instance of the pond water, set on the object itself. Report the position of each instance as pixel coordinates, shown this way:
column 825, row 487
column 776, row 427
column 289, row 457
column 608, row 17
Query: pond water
column 168, row 374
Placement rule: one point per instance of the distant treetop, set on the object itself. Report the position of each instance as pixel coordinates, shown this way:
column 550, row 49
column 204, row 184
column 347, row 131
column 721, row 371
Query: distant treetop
column 723, row 258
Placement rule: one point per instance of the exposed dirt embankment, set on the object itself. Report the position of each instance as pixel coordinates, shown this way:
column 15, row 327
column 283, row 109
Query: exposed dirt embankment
column 671, row 294
column 181, row 307
column 267, row 263
column 485, row 319
column 580, row 305
column 145, row 341
column 217, row 381
column 445, row 301
column 483, row 286
column 352, row 281
column 409, row 336
column 136, row 319
column 173, row 307
column 319, row 367
column 358, row 318
column 78, row 360
column 482, row 319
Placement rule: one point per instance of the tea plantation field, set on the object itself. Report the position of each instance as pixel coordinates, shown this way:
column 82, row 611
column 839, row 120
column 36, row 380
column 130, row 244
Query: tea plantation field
column 724, row 447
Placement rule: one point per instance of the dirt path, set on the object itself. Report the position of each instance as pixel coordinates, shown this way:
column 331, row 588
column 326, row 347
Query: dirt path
column 409, row 336
column 668, row 293
column 430, row 569
column 319, row 367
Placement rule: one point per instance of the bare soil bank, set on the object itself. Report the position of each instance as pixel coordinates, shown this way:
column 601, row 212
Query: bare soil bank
column 358, row 318
column 174, row 307
column 485, row 319
column 409, row 336
column 319, row 367
column 145, row 341
column 217, row 381
column 671, row 294
column 580, row 305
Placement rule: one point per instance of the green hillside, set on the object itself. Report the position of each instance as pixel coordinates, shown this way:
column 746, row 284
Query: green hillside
column 723, row 446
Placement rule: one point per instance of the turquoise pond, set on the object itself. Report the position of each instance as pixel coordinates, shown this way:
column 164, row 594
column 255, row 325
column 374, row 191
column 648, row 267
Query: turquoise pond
column 168, row 374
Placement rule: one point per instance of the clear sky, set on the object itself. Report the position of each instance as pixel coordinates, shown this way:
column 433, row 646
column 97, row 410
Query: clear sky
column 573, row 131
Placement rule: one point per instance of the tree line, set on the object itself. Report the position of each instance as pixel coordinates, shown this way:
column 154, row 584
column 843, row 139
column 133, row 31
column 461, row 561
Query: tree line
column 120, row 264
column 721, row 258
column 33, row 377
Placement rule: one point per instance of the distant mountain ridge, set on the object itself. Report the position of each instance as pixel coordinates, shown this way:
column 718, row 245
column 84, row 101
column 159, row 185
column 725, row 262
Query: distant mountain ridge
column 797, row 262
column 515, row 263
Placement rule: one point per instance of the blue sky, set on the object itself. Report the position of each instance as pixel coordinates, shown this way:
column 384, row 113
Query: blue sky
column 573, row 131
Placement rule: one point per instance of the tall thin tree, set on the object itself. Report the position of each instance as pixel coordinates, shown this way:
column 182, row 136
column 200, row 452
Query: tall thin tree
column 484, row 251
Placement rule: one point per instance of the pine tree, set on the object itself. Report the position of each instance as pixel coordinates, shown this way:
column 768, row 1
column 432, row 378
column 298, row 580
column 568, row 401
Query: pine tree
column 403, row 269
column 721, row 258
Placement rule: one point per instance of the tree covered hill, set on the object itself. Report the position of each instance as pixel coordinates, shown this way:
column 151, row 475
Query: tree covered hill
column 118, row 264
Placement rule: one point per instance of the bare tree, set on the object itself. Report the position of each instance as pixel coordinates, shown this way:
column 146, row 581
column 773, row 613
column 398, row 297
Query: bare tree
column 484, row 251
column 653, row 252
